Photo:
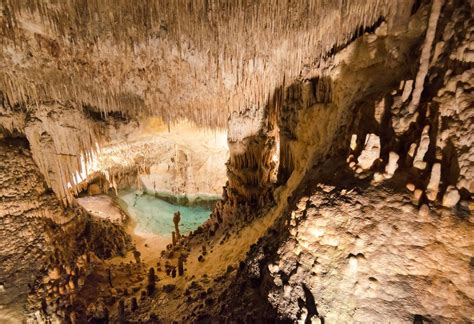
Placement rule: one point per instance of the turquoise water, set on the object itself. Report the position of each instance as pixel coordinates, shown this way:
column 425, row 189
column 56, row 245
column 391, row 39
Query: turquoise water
column 155, row 216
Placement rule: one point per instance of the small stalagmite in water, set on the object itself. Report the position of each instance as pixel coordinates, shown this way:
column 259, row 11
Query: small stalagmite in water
column 176, row 219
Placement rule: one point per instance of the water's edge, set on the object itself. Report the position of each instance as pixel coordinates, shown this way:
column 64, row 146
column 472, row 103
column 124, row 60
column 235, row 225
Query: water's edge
column 198, row 200
column 153, row 214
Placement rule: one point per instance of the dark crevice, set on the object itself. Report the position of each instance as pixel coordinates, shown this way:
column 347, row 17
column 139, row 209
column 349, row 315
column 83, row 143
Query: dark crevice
column 416, row 6
column 92, row 113
column 359, row 32
column 310, row 304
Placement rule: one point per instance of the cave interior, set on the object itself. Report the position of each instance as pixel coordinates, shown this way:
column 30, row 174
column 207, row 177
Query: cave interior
column 236, row 161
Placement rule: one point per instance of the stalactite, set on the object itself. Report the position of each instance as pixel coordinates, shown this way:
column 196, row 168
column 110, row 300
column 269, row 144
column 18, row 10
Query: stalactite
column 425, row 55
column 138, row 58
column 256, row 54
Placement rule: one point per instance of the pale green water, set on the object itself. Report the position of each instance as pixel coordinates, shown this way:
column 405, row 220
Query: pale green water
column 155, row 216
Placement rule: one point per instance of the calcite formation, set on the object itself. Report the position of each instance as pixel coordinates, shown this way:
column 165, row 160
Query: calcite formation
column 339, row 133
column 196, row 61
column 349, row 249
column 42, row 243
column 360, row 268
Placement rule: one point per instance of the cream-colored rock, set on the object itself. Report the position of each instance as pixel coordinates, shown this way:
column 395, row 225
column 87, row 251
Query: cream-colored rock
column 410, row 186
column 417, row 195
column 471, row 206
column 378, row 177
column 54, row 273
column 379, row 110
column 451, row 197
column 407, row 90
column 353, row 142
column 370, row 153
column 422, row 149
column 412, row 149
column 433, row 186
column 377, row 264
column 424, row 210
column 392, row 165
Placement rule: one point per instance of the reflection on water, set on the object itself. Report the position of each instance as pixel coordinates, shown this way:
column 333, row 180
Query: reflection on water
column 153, row 215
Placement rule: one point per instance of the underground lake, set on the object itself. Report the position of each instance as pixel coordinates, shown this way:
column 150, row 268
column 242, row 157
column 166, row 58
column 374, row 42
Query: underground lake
column 153, row 215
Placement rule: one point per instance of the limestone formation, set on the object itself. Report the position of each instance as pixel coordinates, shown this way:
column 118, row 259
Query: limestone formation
column 331, row 139
column 133, row 304
column 422, row 149
column 121, row 311
column 433, row 186
column 370, row 152
column 392, row 165
column 176, row 220
column 180, row 267
column 151, row 282
column 451, row 197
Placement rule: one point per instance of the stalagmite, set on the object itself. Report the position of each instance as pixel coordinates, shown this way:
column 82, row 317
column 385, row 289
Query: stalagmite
column 433, row 185
column 176, row 220
column 180, row 266
column 133, row 304
column 392, row 165
column 353, row 145
column 173, row 238
column 121, row 311
column 422, row 149
column 451, row 197
column 272, row 126
column 417, row 196
column 370, row 153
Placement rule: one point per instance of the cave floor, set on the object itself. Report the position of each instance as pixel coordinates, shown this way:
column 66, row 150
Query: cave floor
column 148, row 244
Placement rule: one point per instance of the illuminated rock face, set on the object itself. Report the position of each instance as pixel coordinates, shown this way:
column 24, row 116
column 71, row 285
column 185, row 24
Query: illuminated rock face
column 349, row 167
column 371, row 256
column 196, row 62
column 389, row 240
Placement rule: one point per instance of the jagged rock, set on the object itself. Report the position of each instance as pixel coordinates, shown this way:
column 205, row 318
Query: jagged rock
column 98, row 312
column 292, row 81
column 54, row 273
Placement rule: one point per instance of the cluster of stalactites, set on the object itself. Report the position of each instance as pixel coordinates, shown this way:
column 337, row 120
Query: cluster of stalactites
column 250, row 47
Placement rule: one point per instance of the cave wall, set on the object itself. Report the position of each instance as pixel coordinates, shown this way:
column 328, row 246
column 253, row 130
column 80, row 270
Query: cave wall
column 42, row 242
column 378, row 227
column 368, row 125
